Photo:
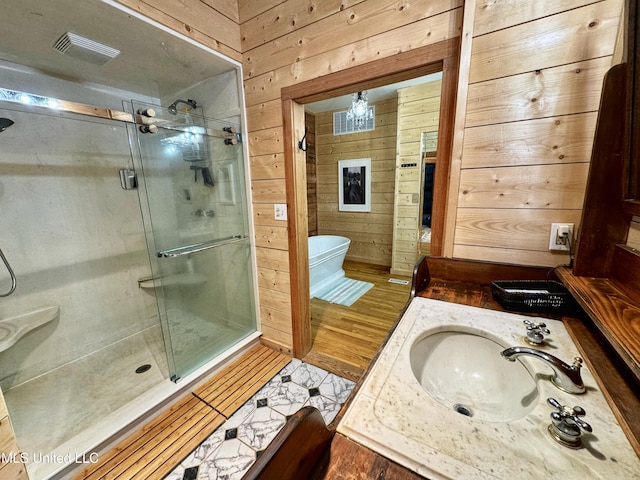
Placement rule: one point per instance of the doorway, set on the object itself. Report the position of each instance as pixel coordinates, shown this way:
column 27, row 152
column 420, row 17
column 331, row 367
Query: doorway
column 443, row 57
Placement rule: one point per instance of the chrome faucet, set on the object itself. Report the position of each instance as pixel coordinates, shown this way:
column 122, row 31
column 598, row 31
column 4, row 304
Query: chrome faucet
column 566, row 377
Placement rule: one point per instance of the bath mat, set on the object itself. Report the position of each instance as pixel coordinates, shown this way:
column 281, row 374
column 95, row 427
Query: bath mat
column 344, row 292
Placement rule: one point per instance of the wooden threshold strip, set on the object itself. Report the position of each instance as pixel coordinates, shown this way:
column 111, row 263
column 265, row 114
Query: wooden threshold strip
column 159, row 446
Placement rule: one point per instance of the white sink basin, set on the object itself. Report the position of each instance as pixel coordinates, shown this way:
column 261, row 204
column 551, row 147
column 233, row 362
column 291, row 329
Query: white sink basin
column 442, row 354
column 466, row 373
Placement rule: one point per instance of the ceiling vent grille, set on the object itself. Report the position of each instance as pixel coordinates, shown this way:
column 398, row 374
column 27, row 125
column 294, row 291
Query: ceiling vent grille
column 342, row 126
column 83, row 48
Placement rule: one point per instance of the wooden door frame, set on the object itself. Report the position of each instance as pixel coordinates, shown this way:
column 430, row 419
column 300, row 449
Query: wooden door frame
column 442, row 56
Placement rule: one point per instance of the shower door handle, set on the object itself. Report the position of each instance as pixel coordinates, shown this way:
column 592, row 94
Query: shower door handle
column 13, row 277
column 199, row 247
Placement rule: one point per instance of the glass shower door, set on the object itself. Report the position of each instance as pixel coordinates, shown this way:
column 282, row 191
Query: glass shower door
column 193, row 190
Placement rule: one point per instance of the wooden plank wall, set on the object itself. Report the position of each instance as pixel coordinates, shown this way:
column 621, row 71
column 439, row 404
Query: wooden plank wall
column 370, row 232
column 535, row 75
column 290, row 41
column 418, row 111
column 214, row 23
column 534, row 88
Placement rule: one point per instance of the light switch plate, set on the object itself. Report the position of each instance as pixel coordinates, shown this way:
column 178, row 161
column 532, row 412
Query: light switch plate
column 280, row 211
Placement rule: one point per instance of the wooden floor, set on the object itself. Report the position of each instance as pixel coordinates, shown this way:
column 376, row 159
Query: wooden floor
column 158, row 447
column 345, row 339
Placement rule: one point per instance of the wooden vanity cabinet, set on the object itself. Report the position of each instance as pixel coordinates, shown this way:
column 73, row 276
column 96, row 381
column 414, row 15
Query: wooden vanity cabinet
column 11, row 467
column 605, row 279
column 606, row 273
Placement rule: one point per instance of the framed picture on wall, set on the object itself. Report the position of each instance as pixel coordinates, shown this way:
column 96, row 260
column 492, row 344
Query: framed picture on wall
column 354, row 185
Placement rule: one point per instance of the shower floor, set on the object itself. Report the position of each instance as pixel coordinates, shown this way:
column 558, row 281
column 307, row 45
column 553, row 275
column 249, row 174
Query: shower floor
column 54, row 408
column 50, row 409
column 194, row 338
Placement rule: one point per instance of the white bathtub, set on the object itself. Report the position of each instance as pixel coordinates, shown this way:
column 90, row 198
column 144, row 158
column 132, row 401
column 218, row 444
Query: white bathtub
column 326, row 255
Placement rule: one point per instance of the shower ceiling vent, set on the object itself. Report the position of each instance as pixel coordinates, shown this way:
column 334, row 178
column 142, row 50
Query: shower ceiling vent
column 83, row 48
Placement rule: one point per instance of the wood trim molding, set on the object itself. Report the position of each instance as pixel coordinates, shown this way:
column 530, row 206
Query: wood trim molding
column 420, row 278
column 480, row 272
column 297, row 226
column 458, row 125
column 444, row 149
column 403, row 66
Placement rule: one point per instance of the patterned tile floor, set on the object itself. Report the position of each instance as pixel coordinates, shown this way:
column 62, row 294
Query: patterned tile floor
column 229, row 452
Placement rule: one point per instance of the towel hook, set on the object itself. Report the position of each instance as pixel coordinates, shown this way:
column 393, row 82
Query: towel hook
column 13, row 277
column 301, row 142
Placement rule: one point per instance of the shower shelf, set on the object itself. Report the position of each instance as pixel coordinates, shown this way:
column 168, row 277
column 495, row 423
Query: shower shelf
column 176, row 280
column 12, row 329
column 198, row 247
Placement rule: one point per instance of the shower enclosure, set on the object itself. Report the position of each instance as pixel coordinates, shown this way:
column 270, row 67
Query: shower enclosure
column 124, row 216
column 197, row 231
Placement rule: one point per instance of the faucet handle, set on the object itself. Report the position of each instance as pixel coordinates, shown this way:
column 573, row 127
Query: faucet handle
column 566, row 424
column 536, row 332
column 577, row 363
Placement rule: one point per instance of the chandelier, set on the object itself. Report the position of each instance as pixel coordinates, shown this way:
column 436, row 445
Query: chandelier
column 359, row 111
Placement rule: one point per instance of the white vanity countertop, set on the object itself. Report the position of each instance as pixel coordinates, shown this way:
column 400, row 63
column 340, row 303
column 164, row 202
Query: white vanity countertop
column 394, row 416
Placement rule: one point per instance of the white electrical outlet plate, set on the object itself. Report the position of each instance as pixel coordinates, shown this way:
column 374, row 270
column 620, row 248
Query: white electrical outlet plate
column 280, row 211
column 557, row 240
